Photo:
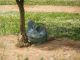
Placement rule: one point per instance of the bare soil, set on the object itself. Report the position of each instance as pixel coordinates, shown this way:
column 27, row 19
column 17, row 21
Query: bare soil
column 58, row 49
column 42, row 8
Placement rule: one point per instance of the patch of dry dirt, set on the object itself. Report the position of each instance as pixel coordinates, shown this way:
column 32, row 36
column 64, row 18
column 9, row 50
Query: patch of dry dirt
column 59, row 49
column 45, row 8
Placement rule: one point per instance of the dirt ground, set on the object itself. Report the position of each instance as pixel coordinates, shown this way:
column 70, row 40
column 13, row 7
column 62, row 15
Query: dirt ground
column 58, row 49
column 42, row 8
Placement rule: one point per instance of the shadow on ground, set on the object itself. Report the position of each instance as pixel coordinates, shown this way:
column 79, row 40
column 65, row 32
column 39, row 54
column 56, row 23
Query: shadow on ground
column 59, row 43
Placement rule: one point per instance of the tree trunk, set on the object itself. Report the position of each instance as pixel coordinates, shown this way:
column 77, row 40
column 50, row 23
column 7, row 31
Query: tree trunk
column 20, row 4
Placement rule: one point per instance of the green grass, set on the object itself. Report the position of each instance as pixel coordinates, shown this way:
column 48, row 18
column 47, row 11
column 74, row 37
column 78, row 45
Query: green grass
column 58, row 24
column 53, row 2
column 44, row 2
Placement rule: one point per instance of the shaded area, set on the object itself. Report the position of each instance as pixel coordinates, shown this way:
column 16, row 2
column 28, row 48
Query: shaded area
column 71, row 32
column 62, row 43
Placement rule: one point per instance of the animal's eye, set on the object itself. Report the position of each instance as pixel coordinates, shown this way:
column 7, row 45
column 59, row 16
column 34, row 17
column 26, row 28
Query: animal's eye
column 38, row 29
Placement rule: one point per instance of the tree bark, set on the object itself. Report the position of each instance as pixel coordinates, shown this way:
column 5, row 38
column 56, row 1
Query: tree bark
column 20, row 4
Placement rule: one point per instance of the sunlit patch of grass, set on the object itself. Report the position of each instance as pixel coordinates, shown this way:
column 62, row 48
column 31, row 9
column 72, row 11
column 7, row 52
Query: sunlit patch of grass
column 43, row 2
column 9, row 23
column 53, row 2
column 7, row 2
column 58, row 24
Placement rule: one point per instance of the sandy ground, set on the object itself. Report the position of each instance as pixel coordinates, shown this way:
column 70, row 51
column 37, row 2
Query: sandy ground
column 59, row 49
column 42, row 8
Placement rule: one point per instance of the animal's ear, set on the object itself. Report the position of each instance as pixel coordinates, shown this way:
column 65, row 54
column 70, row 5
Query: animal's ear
column 38, row 28
column 31, row 24
column 30, row 21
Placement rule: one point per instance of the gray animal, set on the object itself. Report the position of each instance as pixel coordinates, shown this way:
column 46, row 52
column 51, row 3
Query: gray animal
column 36, row 33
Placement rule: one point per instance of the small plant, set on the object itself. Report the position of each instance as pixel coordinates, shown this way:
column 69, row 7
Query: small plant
column 3, row 54
column 42, row 58
column 26, row 58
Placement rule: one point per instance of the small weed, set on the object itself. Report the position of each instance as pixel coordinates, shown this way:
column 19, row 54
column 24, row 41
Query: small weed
column 2, row 57
column 26, row 58
column 42, row 58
